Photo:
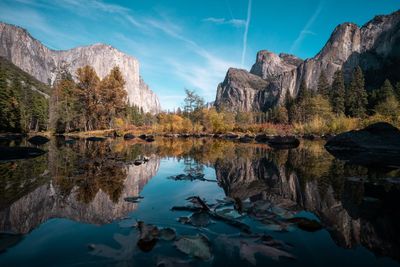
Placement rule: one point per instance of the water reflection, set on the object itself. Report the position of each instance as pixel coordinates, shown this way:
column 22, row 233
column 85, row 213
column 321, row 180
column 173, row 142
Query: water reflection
column 85, row 182
column 88, row 182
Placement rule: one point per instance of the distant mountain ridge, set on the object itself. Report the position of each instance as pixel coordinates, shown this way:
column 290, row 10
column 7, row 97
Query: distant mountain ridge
column 375, row 47
column 27, row 53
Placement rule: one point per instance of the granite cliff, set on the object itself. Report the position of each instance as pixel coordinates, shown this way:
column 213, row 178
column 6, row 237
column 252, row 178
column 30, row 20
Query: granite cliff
column 27, row 53
column 375, row 47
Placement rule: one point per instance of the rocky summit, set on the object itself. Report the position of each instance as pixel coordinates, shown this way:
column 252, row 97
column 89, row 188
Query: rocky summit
column 27, row 53
column 374, row 47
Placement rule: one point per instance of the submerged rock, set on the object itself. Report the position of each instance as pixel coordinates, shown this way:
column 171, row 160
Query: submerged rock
column 167, row 234
column 128, row 136
column 148, row 236
column 95, row 138
column 9, row 153
column 378, row 143
column 133, row 199
column 196, row 246
column 38, row 140
column 150, row 138
column 306, row 224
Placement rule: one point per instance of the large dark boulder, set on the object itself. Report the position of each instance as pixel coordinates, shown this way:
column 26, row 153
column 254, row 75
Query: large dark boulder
column 284, row 142
column 95, row 139
column 263, row 138
column 128, row 136
column 10, row 153
column 378, row 143
column 150, row 138
column 38, row 140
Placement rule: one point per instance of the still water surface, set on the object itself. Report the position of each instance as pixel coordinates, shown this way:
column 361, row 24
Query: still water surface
column 73, row 206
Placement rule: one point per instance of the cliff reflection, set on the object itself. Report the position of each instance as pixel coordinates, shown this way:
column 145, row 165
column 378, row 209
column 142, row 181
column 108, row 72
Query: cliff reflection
column 84, row 181
column 88, row 182
column 356, row 204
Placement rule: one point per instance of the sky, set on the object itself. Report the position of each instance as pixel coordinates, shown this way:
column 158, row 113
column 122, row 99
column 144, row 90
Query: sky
column 190, row 44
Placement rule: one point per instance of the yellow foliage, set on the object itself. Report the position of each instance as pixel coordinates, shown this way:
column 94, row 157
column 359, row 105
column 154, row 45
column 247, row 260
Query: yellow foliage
column 333, row 124
column 119, row 123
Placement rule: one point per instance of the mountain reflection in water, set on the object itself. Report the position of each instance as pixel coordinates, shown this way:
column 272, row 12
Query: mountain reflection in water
column 89, row 182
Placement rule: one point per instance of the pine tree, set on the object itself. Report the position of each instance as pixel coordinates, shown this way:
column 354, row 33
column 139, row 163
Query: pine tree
column 338, row 93
column 323, row 85
column 356, row 96
column 386, row 102
column 15, row 105
column 386, row 91
column 4, row 102
column 397, row 91
column 302, row 109
column 290, row 107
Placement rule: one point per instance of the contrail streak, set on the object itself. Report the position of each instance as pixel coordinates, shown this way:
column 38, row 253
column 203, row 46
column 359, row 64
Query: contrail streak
column 246, row 31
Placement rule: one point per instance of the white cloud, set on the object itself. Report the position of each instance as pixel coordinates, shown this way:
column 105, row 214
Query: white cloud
column 232, row 22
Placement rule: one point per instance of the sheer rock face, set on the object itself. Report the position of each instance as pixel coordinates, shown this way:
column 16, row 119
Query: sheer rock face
column 19, row 47
column 370, row 46
column 47, row 201
column 245, row 91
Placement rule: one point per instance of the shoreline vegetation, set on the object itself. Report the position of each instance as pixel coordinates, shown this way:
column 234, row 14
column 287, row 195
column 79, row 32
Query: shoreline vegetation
column 85, row 105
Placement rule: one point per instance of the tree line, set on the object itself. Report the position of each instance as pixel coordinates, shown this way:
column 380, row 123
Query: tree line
column 333, row 107
column 23, row 107
column 337, row 99
column 86, row 103
column 92, row 103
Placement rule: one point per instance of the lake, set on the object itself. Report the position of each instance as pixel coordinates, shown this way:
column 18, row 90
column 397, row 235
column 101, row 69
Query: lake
column 131, row 203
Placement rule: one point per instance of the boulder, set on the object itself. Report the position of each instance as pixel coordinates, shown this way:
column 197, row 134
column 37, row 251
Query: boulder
column 378, row 143
column 38, row 140
column 10, row 153
column 246, row 139
column 231, row 136
column 150, row 138
column 95, row 138
column 284, row 142
column 128, row 136
column 263, row 138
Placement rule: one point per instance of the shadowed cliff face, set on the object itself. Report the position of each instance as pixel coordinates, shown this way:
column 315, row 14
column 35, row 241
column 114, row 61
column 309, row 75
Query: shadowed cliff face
column 87, row 182
column 374, row 47
column 355, row 211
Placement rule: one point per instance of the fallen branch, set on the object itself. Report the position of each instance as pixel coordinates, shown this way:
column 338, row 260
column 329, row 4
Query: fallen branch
column 205, row 208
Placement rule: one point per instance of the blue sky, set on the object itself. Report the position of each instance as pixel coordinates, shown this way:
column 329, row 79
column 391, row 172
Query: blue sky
column 190, row 44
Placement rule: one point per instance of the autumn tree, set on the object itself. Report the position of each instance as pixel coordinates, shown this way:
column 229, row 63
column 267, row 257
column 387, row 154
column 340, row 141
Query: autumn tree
column 65, row 102
column 338, row 93
column 193, row 105
column 356, row 96
column 112, row 97
column 88, row 95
